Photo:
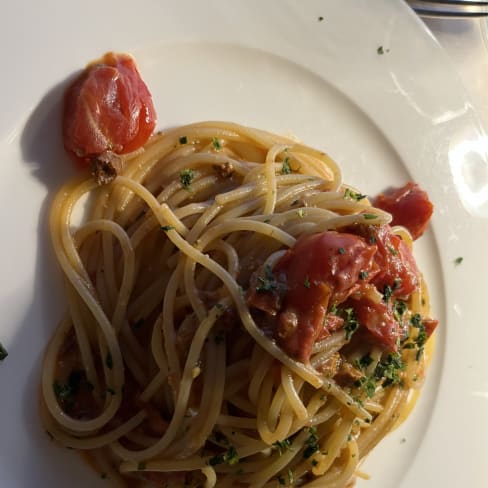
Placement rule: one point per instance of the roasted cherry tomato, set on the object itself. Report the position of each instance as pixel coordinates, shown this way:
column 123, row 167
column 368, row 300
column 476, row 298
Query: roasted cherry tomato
column 409, row 205
column 107, row 108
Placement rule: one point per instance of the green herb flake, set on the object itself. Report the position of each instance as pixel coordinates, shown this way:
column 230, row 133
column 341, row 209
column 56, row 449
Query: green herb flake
column 229, row 457
column 216, row 144
column 186, row 177
column 141, row 466
column 387, row 293
column 3, row 352
column 267, row 282
column 392, row 250
column 312, row 443
column 285, row 167
column 314, row 462
column 282, row 446
column 109, row 361
column 342, row 250
column 381, row 50
column 416, row 320
column 365, row 361
column 166, row 228
column 369, row 216
column 399, row 309
column 351, row 323
column 291, row 478
column 306, row 282
column 348, row 193
column 301, row 213
column 389, row 369
column 458, row 260
column 363, row 275
column 368, row 384
column 65, row 392
column 183, row 140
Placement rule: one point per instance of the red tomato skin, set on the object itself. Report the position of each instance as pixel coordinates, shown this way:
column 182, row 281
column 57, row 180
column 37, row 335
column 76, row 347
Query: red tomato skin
column 318, row 269
column 378, row 318
column 409, row 206
column 107, row 108
column 395, row 261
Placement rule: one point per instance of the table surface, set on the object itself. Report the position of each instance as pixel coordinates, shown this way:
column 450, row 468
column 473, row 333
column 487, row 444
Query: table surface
column 466, row 43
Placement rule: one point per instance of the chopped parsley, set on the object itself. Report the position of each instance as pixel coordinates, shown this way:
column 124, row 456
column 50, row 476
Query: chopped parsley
column 229, row 457
column 291, row 478
column 301, row 213
column 285, row 167
column 368, row 384
column 65, row 392
column 369, row 216
column 216, row 144
column 186, row 177
column 3, row 352
column 166, row 228
column 416, row 320
column 458, row 260
column 381, row 50
column 306, row 282
column 387, row 293
column 348, row 193
column 351, row 323
column 282, row 446
column 421, row 338
column 312, row 443
column 399, row 309
column 392, row 250
column 183, row 140
column 267, row 282
column 341, row 250
column 314, row 462
column 364, row 361
column 389, row 369
column 320, row 19
column 363, row 275
column 109, row 362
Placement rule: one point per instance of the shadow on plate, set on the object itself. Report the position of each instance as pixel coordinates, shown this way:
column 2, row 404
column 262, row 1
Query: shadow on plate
column 28, row 444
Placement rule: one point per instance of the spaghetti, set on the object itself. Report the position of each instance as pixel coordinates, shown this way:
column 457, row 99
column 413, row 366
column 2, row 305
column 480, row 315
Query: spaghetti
column 175, row 365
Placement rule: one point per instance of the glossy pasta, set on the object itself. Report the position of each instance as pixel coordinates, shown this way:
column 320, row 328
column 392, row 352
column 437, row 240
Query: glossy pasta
column 160, row 371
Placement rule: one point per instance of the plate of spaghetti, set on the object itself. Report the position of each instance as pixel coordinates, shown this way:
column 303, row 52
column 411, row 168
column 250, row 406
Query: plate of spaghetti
column 245, row 258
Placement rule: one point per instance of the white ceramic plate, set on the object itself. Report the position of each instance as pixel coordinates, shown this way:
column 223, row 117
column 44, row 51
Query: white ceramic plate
column 274, row 65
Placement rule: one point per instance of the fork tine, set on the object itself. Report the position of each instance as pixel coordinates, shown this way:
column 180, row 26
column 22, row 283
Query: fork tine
column 450, row 8
column 462, row 3
column 453, row 15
